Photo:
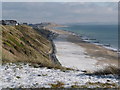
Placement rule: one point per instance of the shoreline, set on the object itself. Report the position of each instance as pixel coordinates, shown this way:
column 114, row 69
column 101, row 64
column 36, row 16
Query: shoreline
column 89, row 40
column 67, row 49
column 100, row 55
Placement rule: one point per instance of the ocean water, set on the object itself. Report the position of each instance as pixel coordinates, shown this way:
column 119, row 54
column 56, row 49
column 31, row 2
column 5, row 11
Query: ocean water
column 107, row 35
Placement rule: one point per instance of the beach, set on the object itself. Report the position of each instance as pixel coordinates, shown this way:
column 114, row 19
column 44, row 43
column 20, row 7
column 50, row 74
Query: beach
column 81, row 59
column 75, row 53
column 65, row 44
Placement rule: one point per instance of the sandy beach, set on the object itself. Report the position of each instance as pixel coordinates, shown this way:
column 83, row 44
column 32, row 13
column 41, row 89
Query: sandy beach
column 71, row 52
column 75, row 53
column 59, row 45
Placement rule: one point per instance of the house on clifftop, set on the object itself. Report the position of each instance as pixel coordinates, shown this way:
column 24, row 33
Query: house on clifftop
column 8, row 22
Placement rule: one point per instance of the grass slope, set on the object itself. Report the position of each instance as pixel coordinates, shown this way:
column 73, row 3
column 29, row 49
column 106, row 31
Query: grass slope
column 23, row 44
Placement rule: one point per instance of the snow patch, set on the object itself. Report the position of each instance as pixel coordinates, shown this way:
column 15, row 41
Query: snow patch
column 25, row 76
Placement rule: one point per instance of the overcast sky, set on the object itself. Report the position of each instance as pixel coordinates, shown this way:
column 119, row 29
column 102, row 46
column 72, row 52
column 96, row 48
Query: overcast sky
column 61, row 12
column 59, row 0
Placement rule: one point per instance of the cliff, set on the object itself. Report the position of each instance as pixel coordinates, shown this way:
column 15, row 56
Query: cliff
column 24, row 44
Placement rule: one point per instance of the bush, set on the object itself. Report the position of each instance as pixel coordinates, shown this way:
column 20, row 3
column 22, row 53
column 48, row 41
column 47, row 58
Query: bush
column 108, row 70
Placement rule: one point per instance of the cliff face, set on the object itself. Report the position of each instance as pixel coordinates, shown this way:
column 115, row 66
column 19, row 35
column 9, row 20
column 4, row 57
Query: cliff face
column 23, row 44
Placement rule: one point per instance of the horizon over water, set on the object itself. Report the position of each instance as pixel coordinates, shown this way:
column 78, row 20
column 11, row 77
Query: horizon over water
column 101, row 34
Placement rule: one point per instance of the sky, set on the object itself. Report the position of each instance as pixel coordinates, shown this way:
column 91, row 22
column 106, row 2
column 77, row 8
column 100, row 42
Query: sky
column 59, row 0
column 61, row 12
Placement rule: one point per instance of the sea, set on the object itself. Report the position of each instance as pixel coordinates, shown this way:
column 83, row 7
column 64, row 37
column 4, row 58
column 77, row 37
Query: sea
column 105, row 35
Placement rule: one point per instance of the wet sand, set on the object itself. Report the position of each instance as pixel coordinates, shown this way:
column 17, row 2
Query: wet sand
column 101, row 54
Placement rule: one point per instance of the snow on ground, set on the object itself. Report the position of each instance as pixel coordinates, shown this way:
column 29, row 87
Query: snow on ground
column 69, row 55
column 25, row 76
column 73, row 56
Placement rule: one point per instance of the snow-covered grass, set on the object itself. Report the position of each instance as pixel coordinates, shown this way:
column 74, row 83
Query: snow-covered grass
column 25, row 76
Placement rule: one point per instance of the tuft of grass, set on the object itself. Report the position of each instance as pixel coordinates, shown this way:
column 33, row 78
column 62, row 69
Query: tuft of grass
column 96, row 85
column 15, row 41
column 108, row 70
column 75, row 86
column 57, row 85
column 7, row 43
column 102, row 85
column 44, row 75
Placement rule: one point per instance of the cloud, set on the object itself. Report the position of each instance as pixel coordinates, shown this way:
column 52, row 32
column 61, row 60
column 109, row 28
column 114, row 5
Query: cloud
column 60, row 0
column 65, row 12
column 0, row 10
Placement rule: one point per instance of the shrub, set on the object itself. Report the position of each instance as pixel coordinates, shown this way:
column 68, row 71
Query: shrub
column 108, row 70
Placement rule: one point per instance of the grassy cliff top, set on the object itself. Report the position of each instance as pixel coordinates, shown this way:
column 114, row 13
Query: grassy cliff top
column 23, row 44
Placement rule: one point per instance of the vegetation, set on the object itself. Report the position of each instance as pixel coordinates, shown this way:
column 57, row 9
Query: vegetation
column 96, row 85
column 89, row 85
column 24, row 44
column 58, row 85
column 101, row 85
column 108, row 70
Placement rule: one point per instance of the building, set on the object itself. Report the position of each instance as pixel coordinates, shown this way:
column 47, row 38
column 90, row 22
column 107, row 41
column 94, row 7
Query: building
column 23, row 23
column 8, row 22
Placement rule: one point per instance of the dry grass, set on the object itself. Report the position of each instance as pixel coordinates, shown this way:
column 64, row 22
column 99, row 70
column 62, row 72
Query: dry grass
column 96, row 85
column 101, row 85
column 57, row 85
column 23, row 44
column 108, row 70
column 64, row 69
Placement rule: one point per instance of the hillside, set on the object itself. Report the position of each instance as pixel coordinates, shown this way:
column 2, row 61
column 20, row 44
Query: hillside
column 23, row 44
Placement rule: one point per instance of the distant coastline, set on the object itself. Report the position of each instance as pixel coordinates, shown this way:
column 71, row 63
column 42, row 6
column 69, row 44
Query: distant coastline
column 100, row 55
column 92, row 40
column 79, row 60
